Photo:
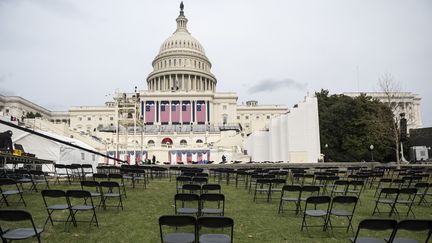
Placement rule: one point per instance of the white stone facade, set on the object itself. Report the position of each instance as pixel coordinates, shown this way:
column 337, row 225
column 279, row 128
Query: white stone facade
column 403, row 102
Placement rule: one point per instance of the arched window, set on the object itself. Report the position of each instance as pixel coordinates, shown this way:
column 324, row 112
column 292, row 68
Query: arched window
column 167, row 141
column 183, row 142
column 199, row 141
column 151, row 143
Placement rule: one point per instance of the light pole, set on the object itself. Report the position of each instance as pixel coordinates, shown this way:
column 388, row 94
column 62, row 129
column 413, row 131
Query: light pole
column 371, row 147
column 325, row 152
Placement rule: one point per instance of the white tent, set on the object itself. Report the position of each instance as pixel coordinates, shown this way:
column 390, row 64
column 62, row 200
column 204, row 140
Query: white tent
column 51, row 150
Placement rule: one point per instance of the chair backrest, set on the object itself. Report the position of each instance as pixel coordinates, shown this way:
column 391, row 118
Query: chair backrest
column 78, row 194
column 200, row 179
column 318, row 199
column 109, row 184
column 215, row 222
column 415, row 224
column 211, row 187
column 389, row 191
column 212, row 197
column 191, row 187
column 53, row 193
column 89, row 184
column 14, row 215
column 100, row 176
column 278, row 181
column 292, row 188
column 311, row 189
column 408, row 191
column 345, row 199
column 115, row 176
column 378, row 224
column 7, row 181
column 186, row 197
column 177, row 220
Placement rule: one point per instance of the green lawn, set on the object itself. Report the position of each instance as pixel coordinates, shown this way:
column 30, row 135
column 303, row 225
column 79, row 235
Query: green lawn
column 254, row 222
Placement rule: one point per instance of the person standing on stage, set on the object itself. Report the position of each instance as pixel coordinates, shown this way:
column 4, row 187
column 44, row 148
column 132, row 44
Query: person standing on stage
column 6, row 141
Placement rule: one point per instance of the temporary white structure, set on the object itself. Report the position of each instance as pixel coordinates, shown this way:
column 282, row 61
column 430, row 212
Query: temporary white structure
column 292, row 137
column 47, row 149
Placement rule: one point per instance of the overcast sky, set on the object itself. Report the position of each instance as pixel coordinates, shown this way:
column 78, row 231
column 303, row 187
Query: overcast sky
column 62, row 53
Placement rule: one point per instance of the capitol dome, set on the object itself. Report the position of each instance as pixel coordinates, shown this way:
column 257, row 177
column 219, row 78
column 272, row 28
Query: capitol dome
column 181, row 64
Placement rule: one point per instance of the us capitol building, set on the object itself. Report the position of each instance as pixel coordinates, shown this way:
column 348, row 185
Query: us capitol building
column 181, row 118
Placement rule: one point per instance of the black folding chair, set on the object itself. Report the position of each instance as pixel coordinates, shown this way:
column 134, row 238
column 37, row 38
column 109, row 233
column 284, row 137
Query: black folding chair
column 276, row 186
column 406, row 198
column 187, row 204
column 422, row 192
column 415, row 225
column 322, row 212
column 340, row 187
column 374, row 225
column 342, row 206
column 262, row 186
column 182, row 227
column 61, row 172
column 9, row 187
column 215, row 224
column 212, row 204
column 13, row 234
column 111, row 189
column 55, row 200
column 80, row 201
column 94, row 188
column 387, row 197
column 290, row 194
column 383, row 183
column 120, row 180
column 38, row 177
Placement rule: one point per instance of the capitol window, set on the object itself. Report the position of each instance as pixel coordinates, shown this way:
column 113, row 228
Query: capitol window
column 238, row 117
column 100, row 118
column 111, row 118
column 224, row 107
column 199, row 141
column 183, row 142
column 268, row 117
column 80, row 118
column 88, row 118
column 151, row 143
column 246, row 117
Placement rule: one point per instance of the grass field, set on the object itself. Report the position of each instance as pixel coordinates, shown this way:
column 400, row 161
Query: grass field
column 138, row 222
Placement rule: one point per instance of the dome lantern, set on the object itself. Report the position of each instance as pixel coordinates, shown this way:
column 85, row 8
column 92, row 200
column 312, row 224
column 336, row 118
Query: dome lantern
column 181, row 20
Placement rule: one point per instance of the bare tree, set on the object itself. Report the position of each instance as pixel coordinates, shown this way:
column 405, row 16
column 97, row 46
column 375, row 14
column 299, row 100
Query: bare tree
column 392, row 92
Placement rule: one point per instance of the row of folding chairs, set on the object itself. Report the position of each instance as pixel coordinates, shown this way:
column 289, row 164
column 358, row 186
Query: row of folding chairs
column 196, row 205
column 34, row 178
column 326, row 208
column 105, row 190
column 72, row 172
column 10, row 230
column 182, row 180
column 394, row 198
column 10, row 188
column 71, row 201
column 199, row 189
column 205, row 229
column 395, row 230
